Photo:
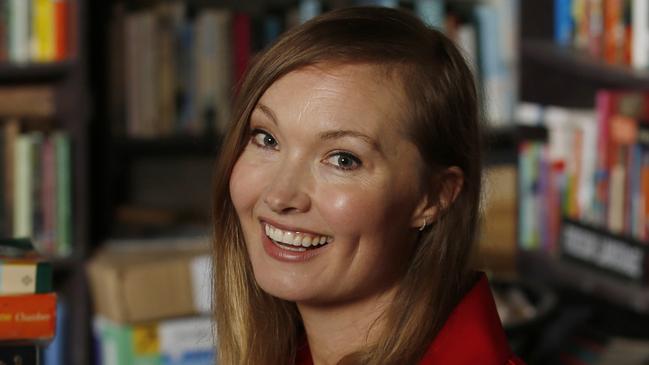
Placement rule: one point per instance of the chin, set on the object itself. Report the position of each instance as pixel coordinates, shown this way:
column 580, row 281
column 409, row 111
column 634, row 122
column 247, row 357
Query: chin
column 285, row 289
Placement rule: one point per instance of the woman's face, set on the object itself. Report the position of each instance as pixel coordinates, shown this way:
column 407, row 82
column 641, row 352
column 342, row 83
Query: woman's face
column 329, row 187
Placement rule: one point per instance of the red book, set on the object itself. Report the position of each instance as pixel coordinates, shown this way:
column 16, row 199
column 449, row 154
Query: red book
column 61, row 29
column 27, row 317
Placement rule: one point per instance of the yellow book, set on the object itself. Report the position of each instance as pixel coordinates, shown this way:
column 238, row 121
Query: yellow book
column 43, row 42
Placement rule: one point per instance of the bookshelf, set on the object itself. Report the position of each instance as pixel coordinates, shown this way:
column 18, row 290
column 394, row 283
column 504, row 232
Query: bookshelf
column 68, row 78
column 559, row 75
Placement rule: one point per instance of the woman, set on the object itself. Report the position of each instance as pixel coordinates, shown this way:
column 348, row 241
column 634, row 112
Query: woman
column 346, row 202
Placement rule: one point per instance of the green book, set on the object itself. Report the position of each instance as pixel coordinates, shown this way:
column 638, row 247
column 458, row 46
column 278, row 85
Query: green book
column 23, row 212
column 63, row 223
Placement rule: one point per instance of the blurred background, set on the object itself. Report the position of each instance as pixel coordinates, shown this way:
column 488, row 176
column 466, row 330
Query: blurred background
column 111, row 116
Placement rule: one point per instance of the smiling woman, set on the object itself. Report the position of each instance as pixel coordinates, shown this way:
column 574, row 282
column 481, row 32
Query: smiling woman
column 346, row 202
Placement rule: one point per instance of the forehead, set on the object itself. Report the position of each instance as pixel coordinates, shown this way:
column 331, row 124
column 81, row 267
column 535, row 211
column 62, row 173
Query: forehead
column 362, row 95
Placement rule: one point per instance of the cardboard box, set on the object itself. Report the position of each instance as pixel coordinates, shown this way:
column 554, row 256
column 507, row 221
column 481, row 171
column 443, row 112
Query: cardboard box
column 136, row 281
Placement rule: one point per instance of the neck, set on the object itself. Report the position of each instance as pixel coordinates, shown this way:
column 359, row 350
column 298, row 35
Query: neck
column 334, row 331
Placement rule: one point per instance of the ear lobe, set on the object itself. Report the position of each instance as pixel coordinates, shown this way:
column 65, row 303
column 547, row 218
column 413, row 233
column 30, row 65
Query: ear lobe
column 445, row 188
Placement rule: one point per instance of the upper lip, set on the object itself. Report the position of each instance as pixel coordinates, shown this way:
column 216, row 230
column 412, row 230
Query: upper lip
column 290, row 229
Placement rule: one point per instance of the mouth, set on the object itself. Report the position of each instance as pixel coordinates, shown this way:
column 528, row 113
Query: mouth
column 294, row 240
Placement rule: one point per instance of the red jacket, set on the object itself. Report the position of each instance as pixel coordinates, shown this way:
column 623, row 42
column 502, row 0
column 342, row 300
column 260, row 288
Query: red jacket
column 472, row 334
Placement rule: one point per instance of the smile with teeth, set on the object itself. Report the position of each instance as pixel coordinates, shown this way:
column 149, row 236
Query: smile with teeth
column 295, row 241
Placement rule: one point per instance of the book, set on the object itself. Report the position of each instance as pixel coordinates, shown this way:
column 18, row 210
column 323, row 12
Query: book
column 19, row 22
column 63, row 199
column 43, row 46
column 4, row 30
column 61, row 29
column 563, row 24
column 24, row 276
column 23, row 204
column 27, row 317
column 27, row 102
column 10, row 134
column 20, row 354
column 640, row 24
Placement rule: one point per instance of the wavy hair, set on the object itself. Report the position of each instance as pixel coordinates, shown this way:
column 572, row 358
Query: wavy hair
column 442, row 115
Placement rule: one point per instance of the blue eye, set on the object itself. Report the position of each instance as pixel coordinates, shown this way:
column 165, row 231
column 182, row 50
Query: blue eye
column 344, row 161
column 263, row 139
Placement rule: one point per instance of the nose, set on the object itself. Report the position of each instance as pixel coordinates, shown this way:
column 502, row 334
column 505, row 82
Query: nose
column 287, row 192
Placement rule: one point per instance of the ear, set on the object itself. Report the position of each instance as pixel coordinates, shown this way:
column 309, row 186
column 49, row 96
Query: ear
column 441, row 191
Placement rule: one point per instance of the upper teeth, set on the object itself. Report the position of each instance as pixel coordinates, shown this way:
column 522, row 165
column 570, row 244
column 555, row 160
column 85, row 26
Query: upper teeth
column 295, row 238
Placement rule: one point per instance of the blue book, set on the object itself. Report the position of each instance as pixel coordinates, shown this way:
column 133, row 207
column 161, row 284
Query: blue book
column 54, row 354
column 563, row 24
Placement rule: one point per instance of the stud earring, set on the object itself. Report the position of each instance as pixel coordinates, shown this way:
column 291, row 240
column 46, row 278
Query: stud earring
column 423, row 226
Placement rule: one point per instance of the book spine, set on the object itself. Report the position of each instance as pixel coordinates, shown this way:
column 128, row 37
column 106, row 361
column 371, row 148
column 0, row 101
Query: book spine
column 48, row 196
column 63, row 194
column 19, row 30
column 4, row 30
column 43, row 46
column 23, row 207
column 61, row 29
column 640, row 24
column 27, row 317
column 563, row 25
column 18, row 277
column 613, row 31
column 36, row 167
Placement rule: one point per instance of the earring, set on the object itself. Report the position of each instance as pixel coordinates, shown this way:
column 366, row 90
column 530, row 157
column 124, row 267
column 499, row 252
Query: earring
column 423, row 226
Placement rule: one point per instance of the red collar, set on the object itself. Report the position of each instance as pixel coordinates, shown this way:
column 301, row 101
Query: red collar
column 471, row 335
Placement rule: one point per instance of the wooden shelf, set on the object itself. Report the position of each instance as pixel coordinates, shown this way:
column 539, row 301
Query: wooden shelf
column 574, row 62
column 554, row 271
column 34, row 71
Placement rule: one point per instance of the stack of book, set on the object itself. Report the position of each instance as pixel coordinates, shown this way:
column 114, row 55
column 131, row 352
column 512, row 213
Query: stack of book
column 27, row 303
column 152, row 302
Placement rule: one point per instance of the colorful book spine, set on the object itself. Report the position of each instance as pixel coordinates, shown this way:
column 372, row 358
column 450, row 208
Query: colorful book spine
column 27, row 317
column 19, row 21
column 23, row 207
column 61, row 29
column 43, row 31
column 25, row 277
column 640, row 24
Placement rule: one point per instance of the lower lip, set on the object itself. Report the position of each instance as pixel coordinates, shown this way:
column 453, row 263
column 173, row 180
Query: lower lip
column 285, row 255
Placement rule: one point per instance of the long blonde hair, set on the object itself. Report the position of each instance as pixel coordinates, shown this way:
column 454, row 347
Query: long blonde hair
column 256, row 328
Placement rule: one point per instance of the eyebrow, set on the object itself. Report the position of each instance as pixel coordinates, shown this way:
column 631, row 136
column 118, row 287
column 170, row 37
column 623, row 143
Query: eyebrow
column 328, row 135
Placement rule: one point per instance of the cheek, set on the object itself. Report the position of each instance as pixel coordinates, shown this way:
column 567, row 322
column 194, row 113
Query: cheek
column 244, row 186
column 354, row 210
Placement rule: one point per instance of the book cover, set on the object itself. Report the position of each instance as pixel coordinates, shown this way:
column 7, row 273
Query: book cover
column 187, row 341
column 127, row 344
column 24, row 276
column 27, row 317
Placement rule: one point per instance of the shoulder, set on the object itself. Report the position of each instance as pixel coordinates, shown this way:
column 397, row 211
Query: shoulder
column 472, row 334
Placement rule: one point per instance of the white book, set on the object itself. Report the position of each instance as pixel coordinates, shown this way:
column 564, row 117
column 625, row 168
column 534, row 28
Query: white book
column 19, row 21
column 640, row 30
